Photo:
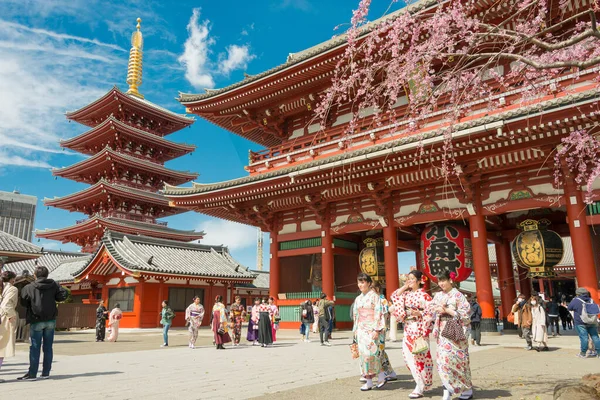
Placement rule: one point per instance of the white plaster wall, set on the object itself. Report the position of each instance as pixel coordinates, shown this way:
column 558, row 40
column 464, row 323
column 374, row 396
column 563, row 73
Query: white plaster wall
column 450, row 203
column 545, row 188
column 340, row 219
column 130, row 279
column 152, row 280
column 400, row 102
column 407, row 210
column 342, row 119
column 309, row 226
column 496, row 196
column 288, row 228
column 177, row 281
column 370, row 215
column 113, row 282
column 314, row 128
column 296, row 133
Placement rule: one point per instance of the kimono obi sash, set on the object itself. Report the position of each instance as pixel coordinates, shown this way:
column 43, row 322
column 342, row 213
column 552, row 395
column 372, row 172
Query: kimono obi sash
column 195, row 314
column 366, row 314
column 236, row 313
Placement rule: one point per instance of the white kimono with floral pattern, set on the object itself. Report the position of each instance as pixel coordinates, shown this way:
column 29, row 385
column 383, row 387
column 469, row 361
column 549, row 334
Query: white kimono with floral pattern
column 369, row 316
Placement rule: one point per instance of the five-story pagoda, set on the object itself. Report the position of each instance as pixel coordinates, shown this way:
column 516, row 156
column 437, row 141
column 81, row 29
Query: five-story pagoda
column 126, row 169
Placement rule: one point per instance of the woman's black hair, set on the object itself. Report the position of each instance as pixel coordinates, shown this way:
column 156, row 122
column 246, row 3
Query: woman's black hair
column 7, row 276
column 418, row 275
column 219, row 298
column 443, row 275
column 364, row 278
column 272, row 299
column 257, row 299
column 117, row 305
column 166, row 302
column 196, row 297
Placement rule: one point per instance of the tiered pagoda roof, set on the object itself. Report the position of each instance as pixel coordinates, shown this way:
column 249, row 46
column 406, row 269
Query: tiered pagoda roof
column 126, row 168
column 118, row 136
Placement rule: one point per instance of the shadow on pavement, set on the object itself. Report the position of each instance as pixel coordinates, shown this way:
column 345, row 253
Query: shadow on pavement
column 61, row 377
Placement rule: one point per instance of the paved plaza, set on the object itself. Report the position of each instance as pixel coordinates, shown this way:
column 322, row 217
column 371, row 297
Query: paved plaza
column 136, row 368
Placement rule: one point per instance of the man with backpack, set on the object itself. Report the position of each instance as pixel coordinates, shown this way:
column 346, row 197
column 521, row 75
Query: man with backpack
column 323, row 321
column 39, row 298
column 585, row 313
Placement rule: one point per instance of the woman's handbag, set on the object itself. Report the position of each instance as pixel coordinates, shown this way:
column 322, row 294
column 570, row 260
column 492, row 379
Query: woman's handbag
column 221, row 331
column 511, row 318
column 453, row 331
column 420, row 346
column 354, row 350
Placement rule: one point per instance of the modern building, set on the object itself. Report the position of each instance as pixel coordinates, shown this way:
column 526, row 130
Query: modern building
column 17, row 214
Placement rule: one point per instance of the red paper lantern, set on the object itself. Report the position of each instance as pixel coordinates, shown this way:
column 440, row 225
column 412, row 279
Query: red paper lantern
column 446, row 246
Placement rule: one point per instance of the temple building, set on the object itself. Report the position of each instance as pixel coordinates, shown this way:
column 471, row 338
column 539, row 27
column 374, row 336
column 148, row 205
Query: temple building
column 322, row 196
column 129, row 256
column 127, row 148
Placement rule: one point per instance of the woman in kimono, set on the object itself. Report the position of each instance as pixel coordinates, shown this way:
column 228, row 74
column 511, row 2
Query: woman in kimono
column 237, row 315
column 265, row 329
column 411, row 307
column 315, row 326
column 219, row 323
column 114, row 319
column 274, row 314
column 539, row 333
column 193, row 315
column 252, row 335
column 9, row 296
column 386, row 366
column 369, row 330
column 101, row 315
column 452, row 357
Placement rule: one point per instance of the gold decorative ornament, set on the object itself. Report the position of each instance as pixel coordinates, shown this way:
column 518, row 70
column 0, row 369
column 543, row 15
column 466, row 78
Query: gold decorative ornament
column 134, row 69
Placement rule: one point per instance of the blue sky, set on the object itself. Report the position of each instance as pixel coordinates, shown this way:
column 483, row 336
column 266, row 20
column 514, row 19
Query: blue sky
column 58, row 55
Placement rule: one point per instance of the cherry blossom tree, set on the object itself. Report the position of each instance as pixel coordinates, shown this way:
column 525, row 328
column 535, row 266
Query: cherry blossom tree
column 447, row 55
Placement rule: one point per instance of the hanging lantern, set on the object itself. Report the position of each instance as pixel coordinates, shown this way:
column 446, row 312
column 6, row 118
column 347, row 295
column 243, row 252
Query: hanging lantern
column 446, row 247
column 371, row 259
column 537, row 248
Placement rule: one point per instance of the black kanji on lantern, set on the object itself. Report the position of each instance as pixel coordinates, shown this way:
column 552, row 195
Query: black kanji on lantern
column 442, row 252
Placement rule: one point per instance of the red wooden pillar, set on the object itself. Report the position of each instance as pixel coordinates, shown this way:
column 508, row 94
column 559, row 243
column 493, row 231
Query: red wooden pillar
column 137, row 303
column 274, row 266
column 390, row 253
column 161, row 289
column 327, row 266
column 105, row 294
column 506, row 279
column 542, row 286
column 481, row 267
column 524, row 282
column 585, row 268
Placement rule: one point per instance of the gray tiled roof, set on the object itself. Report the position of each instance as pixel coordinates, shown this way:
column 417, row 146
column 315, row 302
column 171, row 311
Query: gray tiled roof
column 296, row 58
column 507, row 115
column 65, row 271
column 51, row 260
column 260, row 282
column 145, row 254
column 13, row 244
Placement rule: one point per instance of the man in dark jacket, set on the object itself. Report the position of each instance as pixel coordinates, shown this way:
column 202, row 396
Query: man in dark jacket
column 475, row 322
column 307, row 317
column 584, row 329
column 39, row 298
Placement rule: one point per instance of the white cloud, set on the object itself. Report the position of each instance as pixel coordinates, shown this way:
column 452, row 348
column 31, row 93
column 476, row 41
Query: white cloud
column 200, row 70
column 42, row 75
column 238, row 57
column 195, row 55
column 235, row 236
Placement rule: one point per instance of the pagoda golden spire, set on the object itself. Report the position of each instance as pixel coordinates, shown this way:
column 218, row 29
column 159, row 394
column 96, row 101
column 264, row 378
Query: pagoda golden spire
column 134, row 69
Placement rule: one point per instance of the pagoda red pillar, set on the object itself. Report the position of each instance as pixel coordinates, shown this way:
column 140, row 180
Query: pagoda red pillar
column 481, row 267
column 506, row 279
column 390, row 253
column 137, row 303
column 585, row 268
column 161, row 289
column 327, row 266
column 273, row 266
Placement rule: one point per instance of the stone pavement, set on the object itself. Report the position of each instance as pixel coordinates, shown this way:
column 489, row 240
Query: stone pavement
column 135, row 368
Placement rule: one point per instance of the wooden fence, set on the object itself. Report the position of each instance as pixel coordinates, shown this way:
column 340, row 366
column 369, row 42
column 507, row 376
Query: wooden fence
column 76, row 315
